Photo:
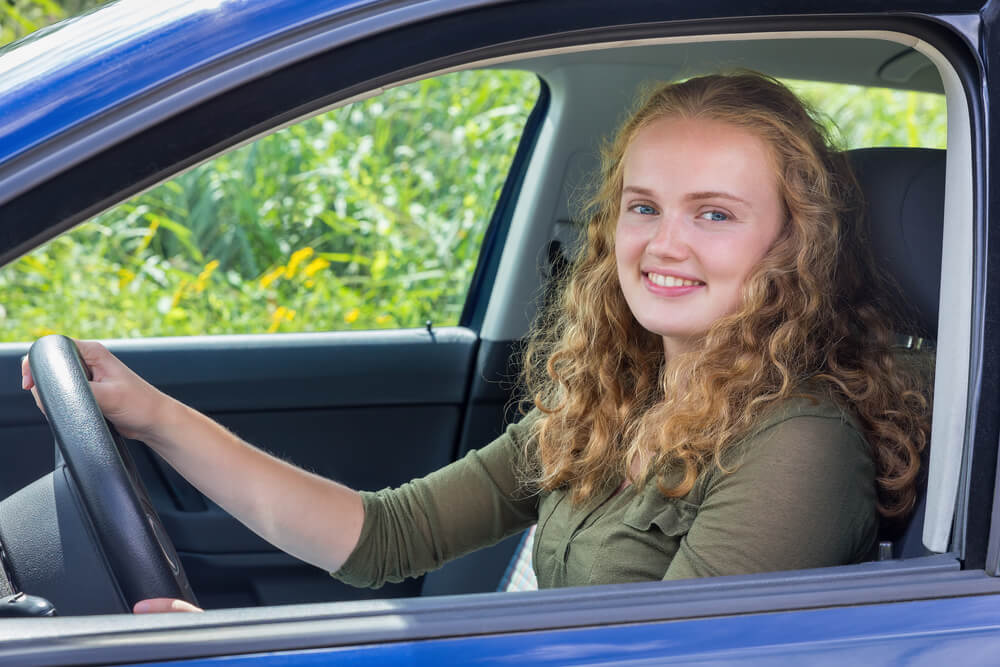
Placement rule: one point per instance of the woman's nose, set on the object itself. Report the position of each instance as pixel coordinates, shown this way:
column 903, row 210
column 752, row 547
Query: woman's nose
column 670, row 238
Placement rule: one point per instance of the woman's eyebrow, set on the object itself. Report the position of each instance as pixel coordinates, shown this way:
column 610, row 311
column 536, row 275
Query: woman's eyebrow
column 637, row 190
column 691, row 196
column 697, row 196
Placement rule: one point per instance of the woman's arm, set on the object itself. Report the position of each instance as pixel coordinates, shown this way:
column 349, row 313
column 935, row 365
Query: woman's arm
column 312, row 518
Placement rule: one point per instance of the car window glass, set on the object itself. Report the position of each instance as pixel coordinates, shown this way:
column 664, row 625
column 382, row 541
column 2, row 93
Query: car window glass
column 866, row 116
column 370, row 216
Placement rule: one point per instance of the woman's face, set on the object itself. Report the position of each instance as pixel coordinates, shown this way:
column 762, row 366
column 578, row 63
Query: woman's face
column 700, row 207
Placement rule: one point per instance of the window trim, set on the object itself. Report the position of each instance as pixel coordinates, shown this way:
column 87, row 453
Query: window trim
column 484, row 276
column 325, row 626
column 107, row 178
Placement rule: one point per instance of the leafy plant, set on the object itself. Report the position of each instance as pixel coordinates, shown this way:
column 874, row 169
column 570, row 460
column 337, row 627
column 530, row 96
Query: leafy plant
column 21, row 17
column 864, row 116
column 369, row 216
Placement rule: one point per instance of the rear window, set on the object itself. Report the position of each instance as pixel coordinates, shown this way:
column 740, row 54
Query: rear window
column 867, row 116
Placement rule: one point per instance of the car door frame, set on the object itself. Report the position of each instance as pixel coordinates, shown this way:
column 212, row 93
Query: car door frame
column 880, row 586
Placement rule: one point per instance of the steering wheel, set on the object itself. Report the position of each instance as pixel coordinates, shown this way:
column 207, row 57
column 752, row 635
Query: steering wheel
column 85, row 536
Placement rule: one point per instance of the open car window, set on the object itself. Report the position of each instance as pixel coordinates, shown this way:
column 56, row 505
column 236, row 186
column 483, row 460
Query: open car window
column 369, row 216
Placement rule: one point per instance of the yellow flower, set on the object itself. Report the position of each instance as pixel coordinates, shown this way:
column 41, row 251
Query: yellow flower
column 276, row 318
column 351, row 315
column 178, row 295
column 297, row 258
column 148, row 237
column 382, row 319
column 203, row 277
column 281, row 314
column 271, row 276
column 124, row 278
column 315, row 266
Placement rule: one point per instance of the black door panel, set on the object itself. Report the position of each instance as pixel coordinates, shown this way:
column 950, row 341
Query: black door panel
column 366, row 448
column 369, row 409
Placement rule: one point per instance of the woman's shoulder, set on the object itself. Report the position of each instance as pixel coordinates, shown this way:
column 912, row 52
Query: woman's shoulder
column 807, row 407
column 805, row 431
column 804, row 473
column 521, row 428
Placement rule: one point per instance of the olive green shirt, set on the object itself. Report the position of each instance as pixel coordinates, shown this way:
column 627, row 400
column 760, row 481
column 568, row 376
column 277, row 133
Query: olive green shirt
column 800, row 493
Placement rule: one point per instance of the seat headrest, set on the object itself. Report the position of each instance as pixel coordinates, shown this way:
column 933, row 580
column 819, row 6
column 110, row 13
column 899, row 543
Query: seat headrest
column 904, row 200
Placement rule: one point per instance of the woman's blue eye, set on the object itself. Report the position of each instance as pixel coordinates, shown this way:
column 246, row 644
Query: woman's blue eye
column 644, row 209
column 715, row 216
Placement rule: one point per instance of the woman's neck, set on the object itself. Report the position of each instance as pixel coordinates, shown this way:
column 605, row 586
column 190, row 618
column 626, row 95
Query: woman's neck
column 675, row 346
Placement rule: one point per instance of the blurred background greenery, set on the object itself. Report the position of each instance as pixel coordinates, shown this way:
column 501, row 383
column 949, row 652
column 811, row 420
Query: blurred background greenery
column 20, row 17
column 368, row 216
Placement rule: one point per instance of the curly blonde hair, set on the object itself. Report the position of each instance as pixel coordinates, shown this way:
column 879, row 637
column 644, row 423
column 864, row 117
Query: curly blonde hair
column 814, row 318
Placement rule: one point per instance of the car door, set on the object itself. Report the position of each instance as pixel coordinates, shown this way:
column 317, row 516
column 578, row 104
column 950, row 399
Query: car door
column 316, row 292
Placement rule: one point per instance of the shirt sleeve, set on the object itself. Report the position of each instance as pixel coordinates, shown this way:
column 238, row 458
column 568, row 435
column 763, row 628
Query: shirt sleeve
column 471, row 503
column 802, row 496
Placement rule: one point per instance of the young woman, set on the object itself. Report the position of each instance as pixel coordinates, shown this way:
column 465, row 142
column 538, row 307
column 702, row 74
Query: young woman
column 714, row 391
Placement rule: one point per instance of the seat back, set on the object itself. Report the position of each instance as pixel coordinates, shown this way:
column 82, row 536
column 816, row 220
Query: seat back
column 904, row 201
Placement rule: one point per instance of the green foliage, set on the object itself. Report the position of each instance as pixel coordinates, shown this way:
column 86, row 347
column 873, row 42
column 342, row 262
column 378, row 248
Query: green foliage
column 369, row 216
column 20, row 17
column 878, row 116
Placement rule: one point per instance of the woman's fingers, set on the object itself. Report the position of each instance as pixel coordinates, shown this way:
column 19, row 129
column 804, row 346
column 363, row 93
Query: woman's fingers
column 90, row 351
column 27, row 380
column 162, row 605
column 98, row 359
column 125, row 398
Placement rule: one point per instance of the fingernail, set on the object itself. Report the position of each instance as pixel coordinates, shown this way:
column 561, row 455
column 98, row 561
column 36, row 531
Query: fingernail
column 24, row 382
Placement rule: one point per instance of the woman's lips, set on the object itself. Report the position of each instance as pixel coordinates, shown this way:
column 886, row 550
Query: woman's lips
column 670, row 285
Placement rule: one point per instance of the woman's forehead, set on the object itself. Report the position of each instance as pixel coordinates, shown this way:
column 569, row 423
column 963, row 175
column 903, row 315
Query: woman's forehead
column 698, row 154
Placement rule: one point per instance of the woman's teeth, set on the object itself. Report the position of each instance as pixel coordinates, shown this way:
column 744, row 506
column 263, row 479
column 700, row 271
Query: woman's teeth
column 671, row 281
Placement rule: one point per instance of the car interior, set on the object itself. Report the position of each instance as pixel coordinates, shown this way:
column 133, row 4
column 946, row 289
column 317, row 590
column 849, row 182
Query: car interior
column 904, row 191
column 459, row 395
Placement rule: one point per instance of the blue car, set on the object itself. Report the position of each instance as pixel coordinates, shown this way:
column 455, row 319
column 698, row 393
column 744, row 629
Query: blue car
column 124, row 130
